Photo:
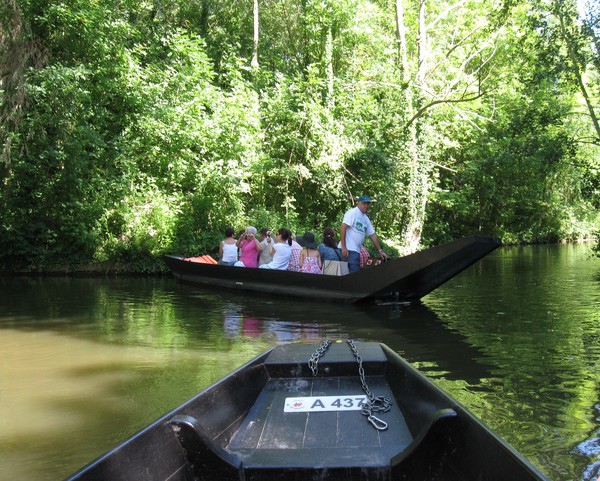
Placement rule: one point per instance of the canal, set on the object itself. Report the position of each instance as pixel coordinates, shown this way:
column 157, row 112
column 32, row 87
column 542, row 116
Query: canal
column 85, row 363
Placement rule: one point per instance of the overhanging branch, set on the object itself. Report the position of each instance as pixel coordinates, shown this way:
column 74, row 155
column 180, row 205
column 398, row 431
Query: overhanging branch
column 431, row 104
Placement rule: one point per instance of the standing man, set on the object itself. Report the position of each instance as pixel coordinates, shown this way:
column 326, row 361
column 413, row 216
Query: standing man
column 355, row 227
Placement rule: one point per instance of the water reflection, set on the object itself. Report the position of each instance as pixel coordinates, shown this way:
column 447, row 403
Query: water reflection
column 536, row 315
column 590, row 448
column 414, row 331
column 81, row 358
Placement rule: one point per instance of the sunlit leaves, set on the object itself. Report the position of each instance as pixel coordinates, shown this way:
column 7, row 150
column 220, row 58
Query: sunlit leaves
column 145, row 130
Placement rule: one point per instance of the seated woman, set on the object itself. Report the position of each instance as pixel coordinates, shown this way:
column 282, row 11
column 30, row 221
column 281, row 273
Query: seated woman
column 329, row 248
column 228, row 250
column 310, row 260
column 297, row 243
column 281, row 250
column 249, row 247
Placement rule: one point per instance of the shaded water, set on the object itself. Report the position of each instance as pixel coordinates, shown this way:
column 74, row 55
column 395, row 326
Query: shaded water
column 84, row 363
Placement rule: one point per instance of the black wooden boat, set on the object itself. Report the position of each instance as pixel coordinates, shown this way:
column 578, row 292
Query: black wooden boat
column 404, row 279
column 356, row 411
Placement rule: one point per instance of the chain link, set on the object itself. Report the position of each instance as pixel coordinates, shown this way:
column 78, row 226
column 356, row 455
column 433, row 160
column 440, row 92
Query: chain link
column 379, row 404
column 313, row 362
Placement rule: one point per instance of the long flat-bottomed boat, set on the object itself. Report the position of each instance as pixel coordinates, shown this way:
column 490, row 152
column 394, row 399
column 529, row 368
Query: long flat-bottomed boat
column 403, row 279
column 334, row 411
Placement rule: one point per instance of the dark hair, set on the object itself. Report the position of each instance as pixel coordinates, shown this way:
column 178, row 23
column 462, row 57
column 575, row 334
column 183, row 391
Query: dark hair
column 329, row 237
column 285, row 234
column 264, row 231
column 229, row 232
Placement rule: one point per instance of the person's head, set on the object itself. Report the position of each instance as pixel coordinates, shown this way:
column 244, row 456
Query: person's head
column 250, row 232
column 285, row 235
column 363, row 204
column 309, row 240
column 265, row 232
column 229, row 232
column 299, row 239
column 329, row 238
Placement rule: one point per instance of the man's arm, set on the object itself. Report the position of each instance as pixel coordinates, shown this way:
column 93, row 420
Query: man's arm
column 377, row 245
column 343, row 229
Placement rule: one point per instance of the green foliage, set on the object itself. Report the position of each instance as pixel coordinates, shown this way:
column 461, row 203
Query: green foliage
column 596, row 246
column 139, row 129
column 53, row 198
column 141, row 228
column 516, row 180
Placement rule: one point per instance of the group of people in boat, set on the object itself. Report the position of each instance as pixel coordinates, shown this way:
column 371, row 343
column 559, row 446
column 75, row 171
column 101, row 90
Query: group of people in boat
column 283, row 251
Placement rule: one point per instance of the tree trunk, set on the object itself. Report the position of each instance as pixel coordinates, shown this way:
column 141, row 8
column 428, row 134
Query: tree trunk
column 401, row 40
column 18, row 52
column 254, row 62
column 422, row 43
column 567, row 38
column 419, row 184
column 329, row 67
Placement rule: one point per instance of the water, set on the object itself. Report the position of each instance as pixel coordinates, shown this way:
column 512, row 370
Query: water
column 84, row 363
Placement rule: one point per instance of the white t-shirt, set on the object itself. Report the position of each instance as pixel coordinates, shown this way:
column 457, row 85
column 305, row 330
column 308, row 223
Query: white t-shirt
column 359, row 226
column 281, row 258
column 265, row 254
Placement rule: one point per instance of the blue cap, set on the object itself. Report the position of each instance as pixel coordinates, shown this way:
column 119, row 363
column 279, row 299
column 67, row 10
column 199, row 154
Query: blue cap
column 364, row 198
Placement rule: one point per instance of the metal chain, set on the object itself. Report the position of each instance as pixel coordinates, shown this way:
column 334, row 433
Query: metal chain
column 313, row 362
column 373, row 404
column 379, row 404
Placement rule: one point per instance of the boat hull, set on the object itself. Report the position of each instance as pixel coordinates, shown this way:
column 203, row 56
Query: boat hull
column 405, row 279
column 274, row 419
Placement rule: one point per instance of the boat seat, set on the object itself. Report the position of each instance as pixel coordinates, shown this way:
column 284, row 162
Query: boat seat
column 438, row 421
column 420, row 456
column 202, row 453
column 426, row 457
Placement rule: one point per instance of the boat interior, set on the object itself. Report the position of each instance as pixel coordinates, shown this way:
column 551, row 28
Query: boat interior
column 278, row 417
column 261, row 440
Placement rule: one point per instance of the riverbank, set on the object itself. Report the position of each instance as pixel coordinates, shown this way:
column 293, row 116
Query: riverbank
column 153, row 266
column 101, row 269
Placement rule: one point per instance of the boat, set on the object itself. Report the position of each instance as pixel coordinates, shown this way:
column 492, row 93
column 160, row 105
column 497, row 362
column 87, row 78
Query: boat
column 341, row 410
column 404, row 279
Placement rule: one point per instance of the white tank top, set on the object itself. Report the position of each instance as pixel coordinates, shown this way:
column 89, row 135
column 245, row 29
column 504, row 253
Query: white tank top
column 230, row 252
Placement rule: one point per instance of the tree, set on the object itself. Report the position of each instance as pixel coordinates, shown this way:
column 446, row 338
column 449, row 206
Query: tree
column 449, row 64
column 254, row 62
column 141, row 128
column 518, row 169
column 577, row 42
column 19, row 50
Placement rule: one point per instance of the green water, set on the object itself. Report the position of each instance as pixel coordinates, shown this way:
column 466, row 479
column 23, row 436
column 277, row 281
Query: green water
column 84, row 363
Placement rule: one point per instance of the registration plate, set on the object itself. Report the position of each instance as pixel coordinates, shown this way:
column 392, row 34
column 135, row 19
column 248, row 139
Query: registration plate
column 351, row 402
